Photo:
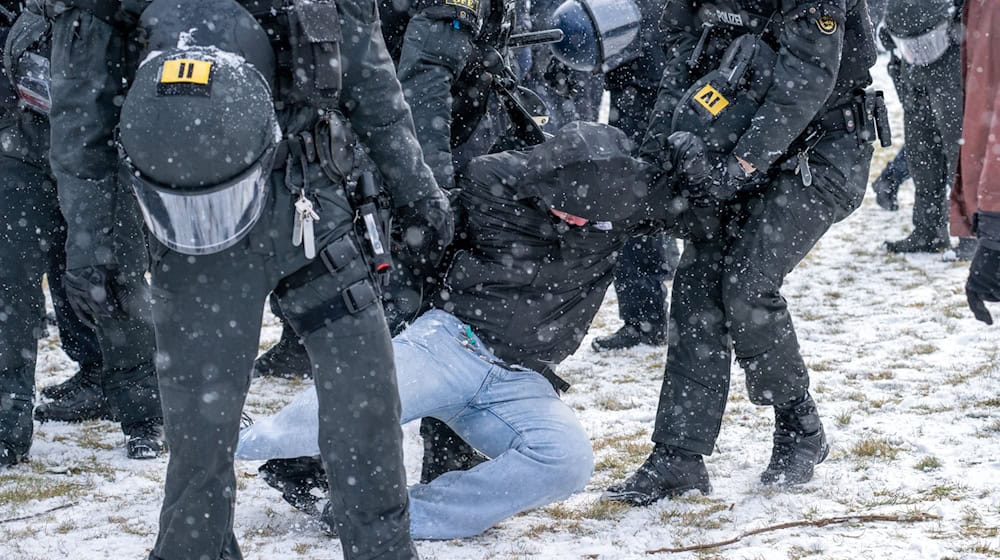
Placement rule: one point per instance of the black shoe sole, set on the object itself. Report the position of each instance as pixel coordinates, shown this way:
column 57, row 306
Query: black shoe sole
column 643, row 500
column 74, row 419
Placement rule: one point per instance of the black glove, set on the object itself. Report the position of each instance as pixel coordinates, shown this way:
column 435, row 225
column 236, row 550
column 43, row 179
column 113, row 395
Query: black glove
column 984, row 282
column 688, row 158
column 677, row 160
column 562, row 79
column 90, row 292
column 426, row 227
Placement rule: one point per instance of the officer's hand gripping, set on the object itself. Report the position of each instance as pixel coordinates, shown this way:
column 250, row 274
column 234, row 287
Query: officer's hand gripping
column 984, row 282
column 90, row 293
column 427, row 226
column 679, row 159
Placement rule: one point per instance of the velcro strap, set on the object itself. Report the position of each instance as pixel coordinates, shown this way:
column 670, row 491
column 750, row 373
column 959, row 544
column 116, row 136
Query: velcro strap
column 359, row 295
column 339, row 254
column 354, row 299
column 301, row 277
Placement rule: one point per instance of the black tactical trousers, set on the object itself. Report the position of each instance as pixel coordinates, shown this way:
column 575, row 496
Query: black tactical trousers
column 646, row 262
column 32, row 242
column 727, row 295
column 207, row 311
column 932, row 112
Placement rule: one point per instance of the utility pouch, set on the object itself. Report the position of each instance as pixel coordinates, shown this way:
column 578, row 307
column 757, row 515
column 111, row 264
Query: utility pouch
column 315, row 36
column 874, row 122
column 335, row 143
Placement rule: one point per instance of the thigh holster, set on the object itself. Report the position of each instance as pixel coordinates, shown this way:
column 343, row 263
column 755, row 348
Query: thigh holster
column 341, row 285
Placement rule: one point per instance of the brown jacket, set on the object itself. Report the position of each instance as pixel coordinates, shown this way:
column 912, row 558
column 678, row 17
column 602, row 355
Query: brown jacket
column 977, row 188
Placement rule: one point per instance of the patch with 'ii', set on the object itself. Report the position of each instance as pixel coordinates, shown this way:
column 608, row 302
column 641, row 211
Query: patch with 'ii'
column 185, row 76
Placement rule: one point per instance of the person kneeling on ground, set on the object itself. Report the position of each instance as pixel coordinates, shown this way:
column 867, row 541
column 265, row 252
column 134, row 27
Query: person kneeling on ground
column 539, row 233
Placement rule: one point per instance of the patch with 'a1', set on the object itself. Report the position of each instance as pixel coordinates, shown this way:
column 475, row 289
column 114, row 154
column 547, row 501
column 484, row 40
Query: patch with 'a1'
column 710, row 98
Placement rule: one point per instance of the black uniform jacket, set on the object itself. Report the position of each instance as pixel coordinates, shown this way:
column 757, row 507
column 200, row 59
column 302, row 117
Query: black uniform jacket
column 444, row 51
column 825, row 48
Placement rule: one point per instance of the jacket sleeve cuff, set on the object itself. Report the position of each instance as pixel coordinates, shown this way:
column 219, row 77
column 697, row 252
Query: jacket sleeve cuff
column 988, row 226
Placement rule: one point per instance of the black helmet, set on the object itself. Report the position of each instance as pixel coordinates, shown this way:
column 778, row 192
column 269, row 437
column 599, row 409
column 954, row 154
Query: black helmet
column 597, row 34
column 198, row 131
column 921, row 29
column 586, row 169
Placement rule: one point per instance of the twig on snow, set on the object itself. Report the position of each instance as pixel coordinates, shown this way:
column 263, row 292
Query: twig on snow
column 39, row 514
column 908, row 518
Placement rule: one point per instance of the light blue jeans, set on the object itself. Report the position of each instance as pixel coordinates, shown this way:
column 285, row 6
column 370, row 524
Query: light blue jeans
column 539, row 451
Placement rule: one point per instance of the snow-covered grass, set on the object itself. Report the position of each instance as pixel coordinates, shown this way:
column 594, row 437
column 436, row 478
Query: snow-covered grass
column 907, row 382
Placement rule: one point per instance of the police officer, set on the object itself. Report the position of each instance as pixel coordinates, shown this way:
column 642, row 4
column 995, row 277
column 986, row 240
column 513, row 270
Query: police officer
column 925, row 39
column 570, row 93
column 117, row 360
column 244, row 188
column 449, row 57
column 799, row 165
column 649, row 261
column 452, row 64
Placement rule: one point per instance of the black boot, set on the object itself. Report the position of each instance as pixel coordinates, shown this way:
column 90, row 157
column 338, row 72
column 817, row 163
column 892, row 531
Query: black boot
column 297, row 479
column 71, row 385
column 966, row 248
column 627, row 337
column 145, row 440
column 86, row 403
column 919, row 242
column 9, row 457
column 799, row 444
column 445, row 451
column 287, row 359
column 886, row 193
column 668, row 472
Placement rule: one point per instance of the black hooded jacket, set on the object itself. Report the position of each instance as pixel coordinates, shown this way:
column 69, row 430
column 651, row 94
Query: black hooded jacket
column 528, row 283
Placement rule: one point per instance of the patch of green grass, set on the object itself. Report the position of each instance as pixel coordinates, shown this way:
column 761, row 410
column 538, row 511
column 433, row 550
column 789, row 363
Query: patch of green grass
column 922, row 349
column 822, row 365
column 613, row 404
column 881, row 375
column 18, row 489
column 951, row 492
column 977, row 371
column 928, row 463
column 875, row 447
column 843, row 419
column 701, row 518
column 604, row 510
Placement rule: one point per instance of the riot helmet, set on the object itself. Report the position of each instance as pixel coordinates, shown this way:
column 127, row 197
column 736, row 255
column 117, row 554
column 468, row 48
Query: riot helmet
column 586, row 169
column 198, row 133
column 598, row 35
column 921, row 29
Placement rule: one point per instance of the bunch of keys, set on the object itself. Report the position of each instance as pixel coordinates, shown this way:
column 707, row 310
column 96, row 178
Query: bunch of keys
column 302, row 230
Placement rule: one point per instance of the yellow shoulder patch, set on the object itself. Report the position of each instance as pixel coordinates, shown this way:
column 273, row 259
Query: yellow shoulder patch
column 827, row 25
column 186, row 71
column 472, row 5
column 710, row 98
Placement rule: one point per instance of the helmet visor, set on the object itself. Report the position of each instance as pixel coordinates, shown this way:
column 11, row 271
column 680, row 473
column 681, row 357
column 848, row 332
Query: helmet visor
column 924, row 49
column 202, row 222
